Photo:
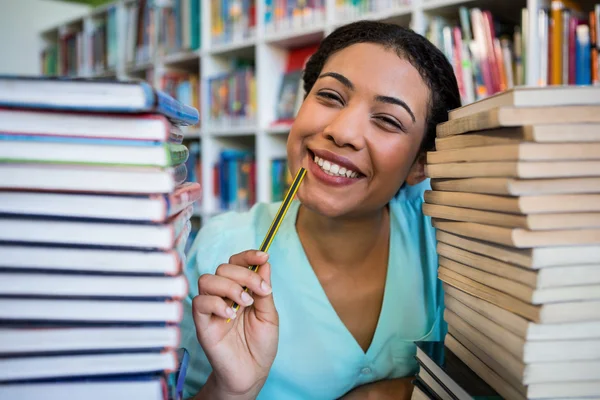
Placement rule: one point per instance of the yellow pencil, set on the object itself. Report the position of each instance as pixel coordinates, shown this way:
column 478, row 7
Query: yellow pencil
column 276, row 222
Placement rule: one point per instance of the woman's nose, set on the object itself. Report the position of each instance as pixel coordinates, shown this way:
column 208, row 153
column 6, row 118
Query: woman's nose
column 348, row 128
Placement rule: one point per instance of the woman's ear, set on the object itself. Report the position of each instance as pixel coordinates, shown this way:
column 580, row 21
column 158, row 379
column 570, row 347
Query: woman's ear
column 416, row 174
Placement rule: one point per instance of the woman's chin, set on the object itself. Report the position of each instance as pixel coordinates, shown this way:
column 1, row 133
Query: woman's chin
column 326, row 207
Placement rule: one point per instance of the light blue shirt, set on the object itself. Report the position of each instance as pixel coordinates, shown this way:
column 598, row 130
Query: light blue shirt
column 317, row 357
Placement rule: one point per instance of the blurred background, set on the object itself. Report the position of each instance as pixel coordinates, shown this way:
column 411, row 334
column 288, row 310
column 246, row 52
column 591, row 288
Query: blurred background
column 239, row 62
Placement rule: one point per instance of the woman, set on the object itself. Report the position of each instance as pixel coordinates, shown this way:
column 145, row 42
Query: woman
column 350, row 281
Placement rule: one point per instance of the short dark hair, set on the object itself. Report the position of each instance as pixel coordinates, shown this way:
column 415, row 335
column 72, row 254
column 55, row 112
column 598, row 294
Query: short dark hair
column 432, row 64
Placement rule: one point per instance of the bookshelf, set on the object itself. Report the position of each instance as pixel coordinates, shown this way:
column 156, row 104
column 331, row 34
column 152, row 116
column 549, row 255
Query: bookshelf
column 224, row 48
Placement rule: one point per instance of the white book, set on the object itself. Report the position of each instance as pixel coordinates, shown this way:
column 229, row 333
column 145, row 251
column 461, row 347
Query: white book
column 87, row 285
column 96, row 311
column 14, row 341
column 161, row 155
column 523, row 96
column 13, row 256
column 520, row 326
column 29, row 368
column 98, row 233
column 523, row 350
column 100, row 126
column 89, row 178
column 152, row 208
column 151, row 389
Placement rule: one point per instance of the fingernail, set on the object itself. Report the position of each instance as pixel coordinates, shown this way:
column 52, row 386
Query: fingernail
column 265, row 287
column 230, row 312
column 261, row 253
column 247, row 299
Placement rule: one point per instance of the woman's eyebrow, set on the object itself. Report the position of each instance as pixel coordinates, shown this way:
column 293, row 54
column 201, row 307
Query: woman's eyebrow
column 343, row 80
column 398, row 102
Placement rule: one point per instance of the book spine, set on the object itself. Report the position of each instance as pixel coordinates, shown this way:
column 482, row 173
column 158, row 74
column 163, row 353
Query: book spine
column 583, row 75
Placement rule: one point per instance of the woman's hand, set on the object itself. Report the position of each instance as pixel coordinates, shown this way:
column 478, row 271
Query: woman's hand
column 242, row 351
column 388, row 389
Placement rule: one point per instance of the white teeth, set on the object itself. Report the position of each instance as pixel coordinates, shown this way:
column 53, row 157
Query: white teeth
column 333, row 169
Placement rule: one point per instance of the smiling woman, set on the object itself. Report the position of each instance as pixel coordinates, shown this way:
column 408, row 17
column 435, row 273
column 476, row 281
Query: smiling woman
column 351, row 279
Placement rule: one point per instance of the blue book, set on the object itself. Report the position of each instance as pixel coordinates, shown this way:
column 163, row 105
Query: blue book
column 92, row 95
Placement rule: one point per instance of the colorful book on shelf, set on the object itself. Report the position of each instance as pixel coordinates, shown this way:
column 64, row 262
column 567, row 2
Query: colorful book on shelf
column 81, row 94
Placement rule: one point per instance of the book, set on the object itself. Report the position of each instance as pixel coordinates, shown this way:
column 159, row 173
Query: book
column 558, row 276
column 83, row 365
column 562, row 203
column 557, row 133
column 44, row 149
column 542, row 390
column 518, row 152
column 91, row 178
column 521, row 350
column 518, row 187
column 85, row 125
column 565, row 312
column 528, row 294
column 438, row 365
column 77, row 259
column 44, row 284
column 514, row 116
column 515, row 169
column 535, row 258
column 525, row 96
column 533, row 222
column 518, row 325
column 515, row 372
column 154, row 208
column 518, row 237
column 17, row 341
column 92, row 96
column 125, row 234
column 89, row 311
column 150, row 388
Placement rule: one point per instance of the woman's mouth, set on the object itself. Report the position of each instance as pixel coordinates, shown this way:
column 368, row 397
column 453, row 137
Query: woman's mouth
column 330, row 172
column 330, row 168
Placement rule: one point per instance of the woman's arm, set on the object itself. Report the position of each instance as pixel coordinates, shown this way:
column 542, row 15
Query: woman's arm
column 387, row 389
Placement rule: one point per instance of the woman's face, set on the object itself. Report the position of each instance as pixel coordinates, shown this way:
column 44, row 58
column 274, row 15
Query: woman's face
column 358, row 131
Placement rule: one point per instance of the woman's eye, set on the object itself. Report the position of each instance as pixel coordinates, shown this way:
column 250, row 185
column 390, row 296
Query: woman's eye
column 330, row 96
column 390, row 122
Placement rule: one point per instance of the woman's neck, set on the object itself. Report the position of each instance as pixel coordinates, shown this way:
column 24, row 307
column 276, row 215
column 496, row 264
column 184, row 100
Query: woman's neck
column 343, row 242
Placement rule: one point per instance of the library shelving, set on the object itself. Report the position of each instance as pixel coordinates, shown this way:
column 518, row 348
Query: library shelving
column 230, row 57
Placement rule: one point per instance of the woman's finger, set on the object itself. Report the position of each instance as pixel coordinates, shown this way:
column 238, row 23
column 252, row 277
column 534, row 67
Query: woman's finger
column 223, row 286
column 205, row 306
column 244, row 277
column 248, row 258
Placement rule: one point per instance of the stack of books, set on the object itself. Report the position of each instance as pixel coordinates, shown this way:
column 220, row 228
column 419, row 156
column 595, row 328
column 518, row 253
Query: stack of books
column 94, row 217
column 443, row 376
column 516, row 206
